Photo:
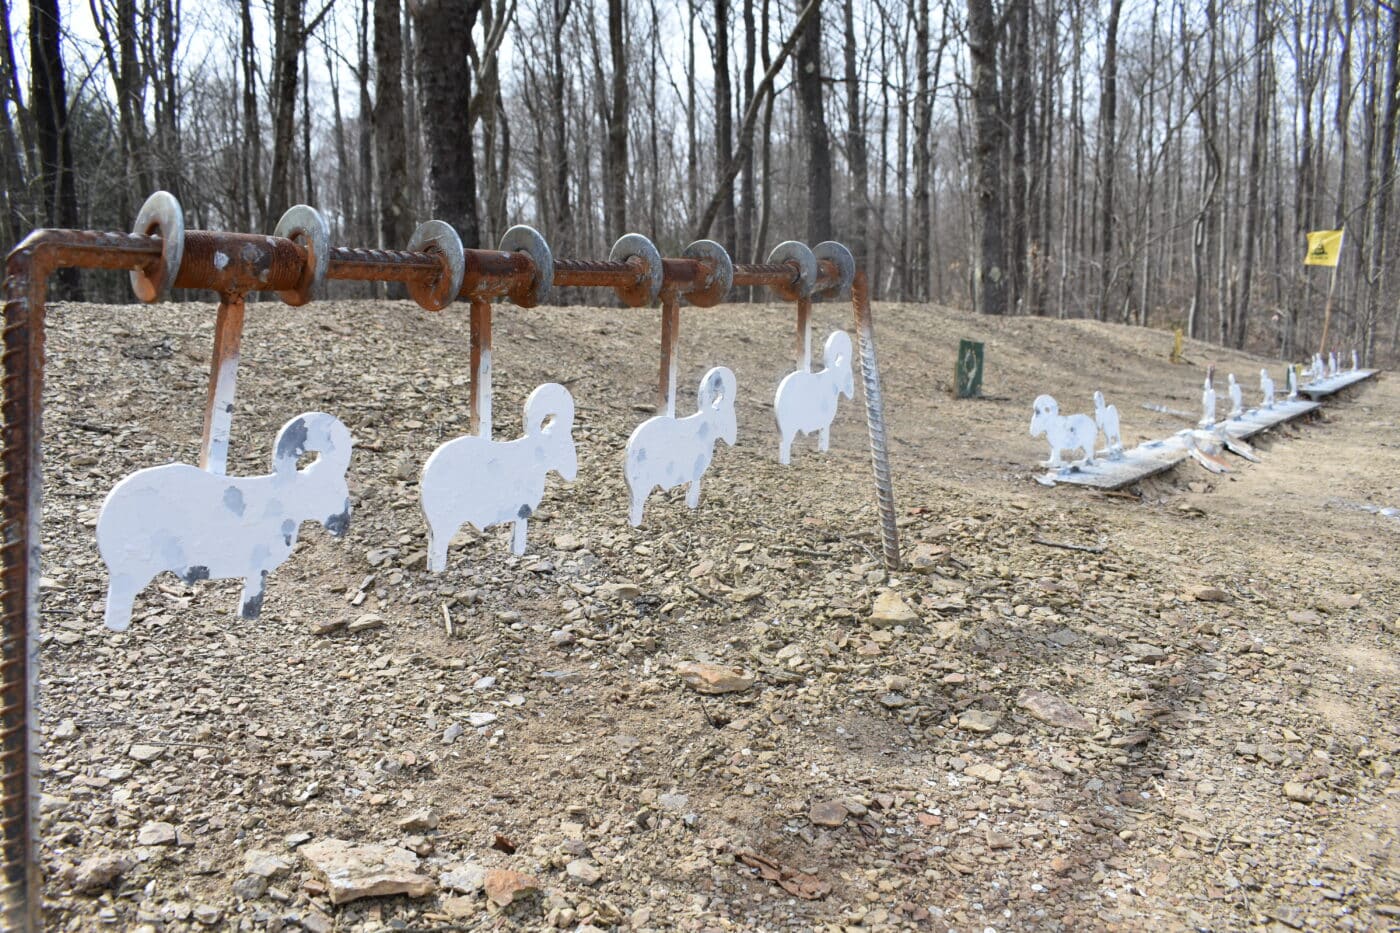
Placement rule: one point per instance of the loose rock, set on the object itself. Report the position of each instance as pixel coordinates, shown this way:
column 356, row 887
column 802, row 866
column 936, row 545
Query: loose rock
column 504, row 887
column 713, row 679
column 1052, row 709
column 890, row 611
column 354, row 871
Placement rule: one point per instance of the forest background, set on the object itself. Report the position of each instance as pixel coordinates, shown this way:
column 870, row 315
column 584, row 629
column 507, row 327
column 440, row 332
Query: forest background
column 1156, row 163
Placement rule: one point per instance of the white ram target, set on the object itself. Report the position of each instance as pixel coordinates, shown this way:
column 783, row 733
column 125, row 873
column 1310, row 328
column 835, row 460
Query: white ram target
column 1106, row 417
column 806, row 401
column 486, row 482
column 666, row 451
column 1236, row 398
column 1266, row 386
column 1063, row 432
column 205, row 526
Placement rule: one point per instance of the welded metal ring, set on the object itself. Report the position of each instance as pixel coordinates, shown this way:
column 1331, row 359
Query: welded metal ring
column 791, row 251
column 309, row 229
column 645, row 291
column 527, row 240
column 721, row 278
column 438, row 237
column 160, row 216
column 845, row 264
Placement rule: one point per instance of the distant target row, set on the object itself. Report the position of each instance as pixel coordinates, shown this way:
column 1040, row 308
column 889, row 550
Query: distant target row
column 1068, row 433
column 202, row 525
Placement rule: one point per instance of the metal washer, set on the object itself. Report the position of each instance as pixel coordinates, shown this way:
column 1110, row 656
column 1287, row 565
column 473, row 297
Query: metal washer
column 800, row 253
column 439, row 237
column 646, row 291
column 160, row 216
column 721, row 278
column 527, row 240
column 840, row 257
column 306, row 226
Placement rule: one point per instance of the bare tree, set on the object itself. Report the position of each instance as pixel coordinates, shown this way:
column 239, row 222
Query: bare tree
column 808, row 64
column 990, row 272
column 50, row 101
column 444, row 50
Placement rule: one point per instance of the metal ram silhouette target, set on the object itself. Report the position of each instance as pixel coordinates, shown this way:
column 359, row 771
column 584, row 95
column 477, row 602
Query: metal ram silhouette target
column 1106, row 418
column 479, row 480
column 205, row 526
column 806, row 401
column 1063, row 432
column 1208, row 400
column 1266, row 388
column 1236, row 398
column 667, row 451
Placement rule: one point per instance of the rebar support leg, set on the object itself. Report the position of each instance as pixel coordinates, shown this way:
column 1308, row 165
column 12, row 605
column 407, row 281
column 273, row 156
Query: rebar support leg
column 481, row 368
column 875, row 419
column 223, row 385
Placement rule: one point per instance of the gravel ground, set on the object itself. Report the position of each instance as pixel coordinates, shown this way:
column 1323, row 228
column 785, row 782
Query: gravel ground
column 1190, row 723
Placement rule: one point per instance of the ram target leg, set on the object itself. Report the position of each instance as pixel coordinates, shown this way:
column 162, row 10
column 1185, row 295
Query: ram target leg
column 517, row 537
column 437, row 551
column 824, row 440
column 254, row 588
column 121, row 598
column 692, row 493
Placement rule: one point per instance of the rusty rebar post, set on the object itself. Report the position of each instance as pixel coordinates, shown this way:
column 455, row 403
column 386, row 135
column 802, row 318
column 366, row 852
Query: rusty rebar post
column 670, row 342
column 21, row 481
column 223, row 384
column 875, row 419
column 803, row 348
column 480, row 423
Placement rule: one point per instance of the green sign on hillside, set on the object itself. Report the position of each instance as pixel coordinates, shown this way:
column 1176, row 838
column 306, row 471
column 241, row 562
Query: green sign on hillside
column 968, row 375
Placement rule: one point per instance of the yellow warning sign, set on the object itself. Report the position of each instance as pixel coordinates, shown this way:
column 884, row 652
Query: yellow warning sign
column 1324, row 246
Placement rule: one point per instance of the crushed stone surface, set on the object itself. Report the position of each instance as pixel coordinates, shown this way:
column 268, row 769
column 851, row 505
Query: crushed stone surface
column 1060, row 740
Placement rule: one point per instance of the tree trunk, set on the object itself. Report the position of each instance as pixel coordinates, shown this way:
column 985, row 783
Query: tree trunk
column 921, row 157
column 808, row 61
column 251, row 163
column 563, row 236
column 444, row 31
column 743, row 241
column 1108, row 161
column 724, row 126
column 855, row 132
column 50, row 101
column 1263, row 32
column 615, row 195
column 287, row 21
column 391, row 150
column 989, row 276
column 1382, row 189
